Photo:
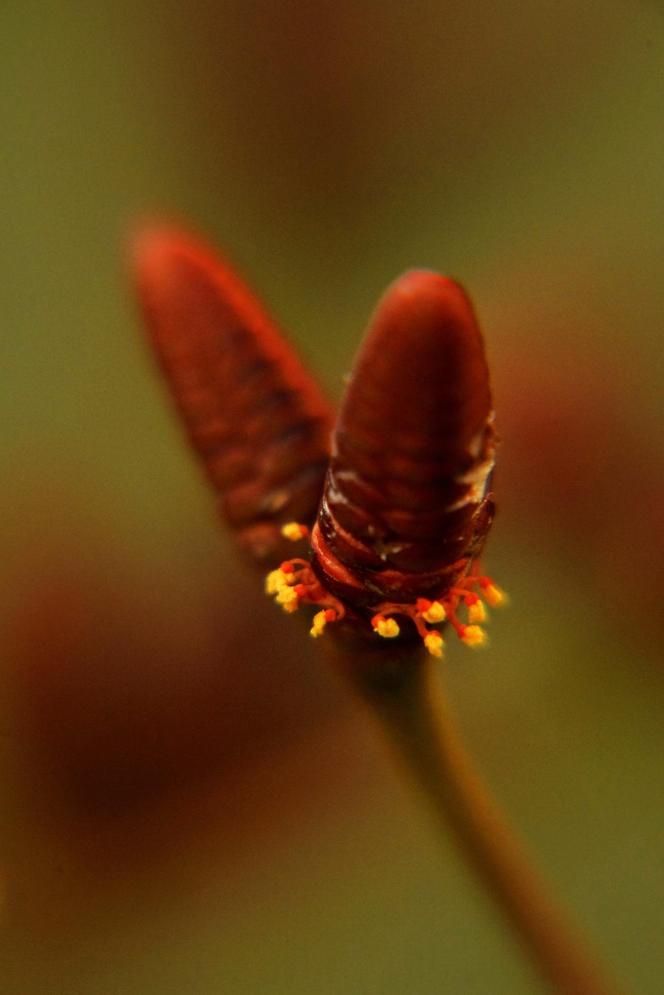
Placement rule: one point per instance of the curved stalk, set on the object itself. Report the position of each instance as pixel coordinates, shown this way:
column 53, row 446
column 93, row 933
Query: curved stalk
column 410, row 706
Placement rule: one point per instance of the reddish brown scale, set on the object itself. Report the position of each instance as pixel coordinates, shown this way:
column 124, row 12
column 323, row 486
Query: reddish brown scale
column 253, row 413
column 406, row 505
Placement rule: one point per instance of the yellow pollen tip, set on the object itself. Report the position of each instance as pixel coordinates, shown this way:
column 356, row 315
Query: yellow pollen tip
column 293, row 531
column 287, row 597
column 319, row 623
column 473, row 635
column 477, row 612
column 434, row 644
column 387, row 628
column 436, row 613
column 494, row 595
column 275, row 580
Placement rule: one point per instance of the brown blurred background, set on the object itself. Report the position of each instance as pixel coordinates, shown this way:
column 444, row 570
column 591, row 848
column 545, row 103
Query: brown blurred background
column 193, row 804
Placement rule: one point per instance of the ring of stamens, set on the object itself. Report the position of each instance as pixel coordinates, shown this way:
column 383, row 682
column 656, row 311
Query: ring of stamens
column 294, row 583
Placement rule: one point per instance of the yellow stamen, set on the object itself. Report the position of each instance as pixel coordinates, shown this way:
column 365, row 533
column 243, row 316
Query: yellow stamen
column 275, row 580
column 434, row 643
column 293, row 531
column 435, row 613
column 494, row 595
column 473, row 635
column 319, row 623
column 477, row 612
column 387, row 628
column 287, row 598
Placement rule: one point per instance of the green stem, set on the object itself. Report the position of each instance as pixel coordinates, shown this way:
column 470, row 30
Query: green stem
column 411, row 708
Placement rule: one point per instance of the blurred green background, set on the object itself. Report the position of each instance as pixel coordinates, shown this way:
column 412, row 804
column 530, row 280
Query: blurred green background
column 194, row 803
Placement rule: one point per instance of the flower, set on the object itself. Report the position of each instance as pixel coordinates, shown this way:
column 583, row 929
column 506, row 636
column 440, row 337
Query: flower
column 393, row 498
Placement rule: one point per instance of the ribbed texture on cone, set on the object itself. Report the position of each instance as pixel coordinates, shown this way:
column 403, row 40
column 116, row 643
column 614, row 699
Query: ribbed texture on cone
column 253, row 414
column 406, row 502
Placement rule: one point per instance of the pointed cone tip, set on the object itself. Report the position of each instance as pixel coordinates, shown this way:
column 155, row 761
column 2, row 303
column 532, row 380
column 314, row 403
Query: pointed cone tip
column 425, row 282
column 425, row 311
column 151, row 243
column 429, row 300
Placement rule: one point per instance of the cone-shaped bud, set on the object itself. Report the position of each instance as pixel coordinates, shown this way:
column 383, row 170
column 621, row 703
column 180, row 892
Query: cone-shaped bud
column 256, row 418
column 406, row 505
